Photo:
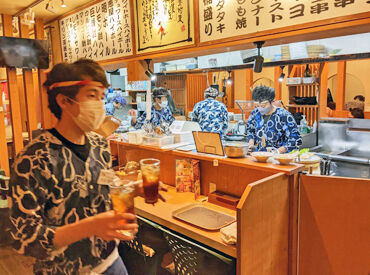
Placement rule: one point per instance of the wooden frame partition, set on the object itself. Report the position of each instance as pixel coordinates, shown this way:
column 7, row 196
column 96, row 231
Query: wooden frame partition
column 263, row 227
column 267, row 212
column 334, row 225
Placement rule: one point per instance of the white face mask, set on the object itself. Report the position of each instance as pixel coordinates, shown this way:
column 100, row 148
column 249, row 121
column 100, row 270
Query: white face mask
column 163, row 104
column 263, row 111
column 91, row 116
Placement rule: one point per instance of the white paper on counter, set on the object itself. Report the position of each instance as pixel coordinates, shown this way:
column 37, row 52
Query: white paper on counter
column 177, row 126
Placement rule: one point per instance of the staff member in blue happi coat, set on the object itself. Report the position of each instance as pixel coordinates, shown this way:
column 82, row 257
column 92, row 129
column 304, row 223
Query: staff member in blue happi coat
column 271, row 126
column 211, row 114
column 160, row 111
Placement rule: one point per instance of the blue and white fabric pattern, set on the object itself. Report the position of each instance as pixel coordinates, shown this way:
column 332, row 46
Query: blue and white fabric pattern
column 109, row 109
column 211, row 115
column 164, row 114
column 52, row 187
column 279, row 131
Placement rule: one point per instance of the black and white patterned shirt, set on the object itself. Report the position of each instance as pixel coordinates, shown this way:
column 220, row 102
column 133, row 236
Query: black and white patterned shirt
column 50, row 187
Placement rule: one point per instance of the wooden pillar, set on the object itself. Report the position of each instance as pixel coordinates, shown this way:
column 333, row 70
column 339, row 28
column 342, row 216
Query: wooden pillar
column 47, row 118
column 136, row 70
column 29, row 91
column 277, row 83
column 15, row 111
column 324, row 68
column 249, row 76
column 232, row 94
column 4, row 156
column 341, row 84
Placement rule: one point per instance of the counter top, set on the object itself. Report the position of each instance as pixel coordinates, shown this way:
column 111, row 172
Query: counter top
column 161, row 213
column 247, row 162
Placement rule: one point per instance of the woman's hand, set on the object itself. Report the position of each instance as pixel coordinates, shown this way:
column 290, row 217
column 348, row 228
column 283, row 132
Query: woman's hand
column 132, row 113
column 107, row 225
column 104, row 225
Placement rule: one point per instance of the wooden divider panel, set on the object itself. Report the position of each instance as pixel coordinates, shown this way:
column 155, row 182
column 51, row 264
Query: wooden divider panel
column 334, row 227
column 15, row 110
column 4, row 157
column 249, row 75
column 48, row 119
column 29, row 91
column 195, row 86
column 263, row 227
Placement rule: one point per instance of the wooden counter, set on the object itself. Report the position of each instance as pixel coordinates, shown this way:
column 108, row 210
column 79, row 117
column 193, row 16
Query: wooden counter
column 247, row 162
column 161, row 213
column 268, row 204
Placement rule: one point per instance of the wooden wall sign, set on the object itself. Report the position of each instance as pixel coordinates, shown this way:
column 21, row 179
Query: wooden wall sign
column 228, row 18
column 163, row 24
column 99, row 32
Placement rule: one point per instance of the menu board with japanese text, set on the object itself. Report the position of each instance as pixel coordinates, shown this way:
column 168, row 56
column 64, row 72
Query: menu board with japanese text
column 227, row 18
column 163, row 24
column 99, row 32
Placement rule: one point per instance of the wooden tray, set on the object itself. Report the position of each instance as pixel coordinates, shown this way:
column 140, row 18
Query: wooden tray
column 203, row 217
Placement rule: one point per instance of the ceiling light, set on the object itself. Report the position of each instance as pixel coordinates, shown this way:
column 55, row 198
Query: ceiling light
column 229, row 80
column 63, row 4
column 153, row 77
column 258, row 61
column 281, row 78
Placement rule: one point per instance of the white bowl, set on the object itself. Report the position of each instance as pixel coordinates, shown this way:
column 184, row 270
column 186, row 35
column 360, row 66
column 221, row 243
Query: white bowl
column 261, row 156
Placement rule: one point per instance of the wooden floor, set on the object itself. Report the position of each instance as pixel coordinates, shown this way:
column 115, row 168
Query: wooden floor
column 12, row 263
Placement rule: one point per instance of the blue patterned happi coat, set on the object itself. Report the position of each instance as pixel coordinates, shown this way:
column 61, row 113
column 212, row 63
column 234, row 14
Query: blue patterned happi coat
column 157, row 117
column 211, row 115
column 280, row 130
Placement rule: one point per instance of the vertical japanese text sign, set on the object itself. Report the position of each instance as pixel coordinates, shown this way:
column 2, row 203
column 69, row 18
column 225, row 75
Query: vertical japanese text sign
column 99, row 32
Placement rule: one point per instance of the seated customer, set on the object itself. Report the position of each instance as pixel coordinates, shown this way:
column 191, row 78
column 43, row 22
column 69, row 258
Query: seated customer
column 356, row 113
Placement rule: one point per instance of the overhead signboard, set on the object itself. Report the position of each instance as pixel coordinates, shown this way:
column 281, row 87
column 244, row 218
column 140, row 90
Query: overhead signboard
column 228, row 18
column 100, row 32
column 163, row 24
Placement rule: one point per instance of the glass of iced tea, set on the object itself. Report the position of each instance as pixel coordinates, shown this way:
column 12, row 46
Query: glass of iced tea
column 123, row 200
column 150, row 169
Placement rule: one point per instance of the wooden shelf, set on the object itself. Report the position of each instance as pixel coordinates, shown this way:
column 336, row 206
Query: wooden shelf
column 297, row 85
column 302, row 106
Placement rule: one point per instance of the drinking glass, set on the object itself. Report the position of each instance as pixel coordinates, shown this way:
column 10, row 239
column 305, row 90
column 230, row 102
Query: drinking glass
column 150, row 169
column 123, row 200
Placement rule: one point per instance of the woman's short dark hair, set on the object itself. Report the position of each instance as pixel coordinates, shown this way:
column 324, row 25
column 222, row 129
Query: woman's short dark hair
column 263, row 93
column 77, row 71
column 360, row 98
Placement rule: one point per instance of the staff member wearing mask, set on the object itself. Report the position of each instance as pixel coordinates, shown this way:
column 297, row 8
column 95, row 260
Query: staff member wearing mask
column 211, row 114
column 160, row 110
column 270, row 126
column 61, row 211
column 117, row 102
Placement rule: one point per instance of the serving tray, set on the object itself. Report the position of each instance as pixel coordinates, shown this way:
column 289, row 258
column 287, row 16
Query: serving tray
column 203, row 217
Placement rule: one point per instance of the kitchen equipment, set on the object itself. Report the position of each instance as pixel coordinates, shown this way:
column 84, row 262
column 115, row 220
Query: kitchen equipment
column 236, row 150
column 293, row 80
column 233, row 137
column 202, row 216
column 135, row 137
column 261, row 156
column 158, row 141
